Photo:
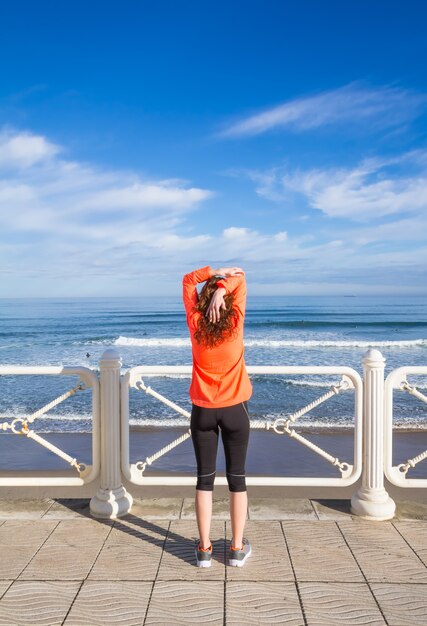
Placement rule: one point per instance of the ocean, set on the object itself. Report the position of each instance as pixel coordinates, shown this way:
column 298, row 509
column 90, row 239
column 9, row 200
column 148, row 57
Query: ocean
column 145, row 331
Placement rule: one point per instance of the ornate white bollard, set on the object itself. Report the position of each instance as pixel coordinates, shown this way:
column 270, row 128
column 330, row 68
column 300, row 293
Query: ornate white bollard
column 372, row 500
column 111, row 500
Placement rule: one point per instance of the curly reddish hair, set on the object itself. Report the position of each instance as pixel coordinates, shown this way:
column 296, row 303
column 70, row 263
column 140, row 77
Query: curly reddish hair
column 211, row 334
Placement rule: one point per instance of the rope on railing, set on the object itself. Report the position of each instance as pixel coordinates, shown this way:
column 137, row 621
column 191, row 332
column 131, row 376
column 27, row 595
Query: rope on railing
column 343, row 385
column 344, row 467
column 43, row 410
column 404, row 467
column 73, row 462
column 141, row 465
column 141, row 386
column 405, row 386
column 19, row 426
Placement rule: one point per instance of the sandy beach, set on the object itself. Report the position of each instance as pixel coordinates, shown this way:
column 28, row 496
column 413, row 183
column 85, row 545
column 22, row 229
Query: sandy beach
column 268, row 454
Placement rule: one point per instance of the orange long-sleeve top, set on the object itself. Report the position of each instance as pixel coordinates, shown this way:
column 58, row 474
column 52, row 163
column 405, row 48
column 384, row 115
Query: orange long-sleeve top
column 219, row 374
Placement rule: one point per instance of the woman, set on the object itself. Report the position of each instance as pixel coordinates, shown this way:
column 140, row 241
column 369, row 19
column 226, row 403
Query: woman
column 219, row 391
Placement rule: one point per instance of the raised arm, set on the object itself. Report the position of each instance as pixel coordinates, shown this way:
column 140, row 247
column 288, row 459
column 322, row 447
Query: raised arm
column 230, row 280
column 189, row 282
column 237, row 286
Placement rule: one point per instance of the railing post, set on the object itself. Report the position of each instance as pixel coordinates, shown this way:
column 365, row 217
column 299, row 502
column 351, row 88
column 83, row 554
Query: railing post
column 372, row 500
column 111, row 500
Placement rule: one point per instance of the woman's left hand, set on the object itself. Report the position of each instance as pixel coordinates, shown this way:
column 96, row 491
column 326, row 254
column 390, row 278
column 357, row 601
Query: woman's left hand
column 217, row 303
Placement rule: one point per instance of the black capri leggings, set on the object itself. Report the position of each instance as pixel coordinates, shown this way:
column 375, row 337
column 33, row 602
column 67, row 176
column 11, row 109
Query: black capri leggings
column 234, row 424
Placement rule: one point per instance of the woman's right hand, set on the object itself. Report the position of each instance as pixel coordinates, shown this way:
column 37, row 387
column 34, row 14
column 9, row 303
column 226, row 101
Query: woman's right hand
column 229, row 271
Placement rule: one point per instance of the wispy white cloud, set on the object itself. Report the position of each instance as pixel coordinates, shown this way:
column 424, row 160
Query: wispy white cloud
column 24, row 149
column 365, row 192
column 265, row 181
column 68, row 227
column 115, row 225
column 378, row 240
column 374, row 188
column 146, row 195
column 40, row 191
column 350, row 105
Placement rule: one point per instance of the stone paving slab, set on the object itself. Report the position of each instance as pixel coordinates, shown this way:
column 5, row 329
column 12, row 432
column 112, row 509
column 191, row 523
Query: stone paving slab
column 415, row 533
column 187, row 602
column 24, row 509
column 127, row 562
column 80, row 533
column 402, row 605
column 281, row 509
column 178, row 560
column 67, row 508
column 130, row 530
column 37, row 602
column 25, row 532
column 69, row 552
column 335, row 571
column 177, row 508
column 109, row 603
column 14, row 559
column 57, row 562
column 382, row 553
column 339, row 604
column 4, row 586
column 269, row 559
column 332, row 509
column 157, row 508
column 319, row 552
column 411, row 510
column 262, row 603
column 220, row 509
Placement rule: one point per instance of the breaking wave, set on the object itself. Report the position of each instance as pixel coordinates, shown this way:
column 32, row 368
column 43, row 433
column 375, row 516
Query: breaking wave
column 181, row 342
column 81, row 423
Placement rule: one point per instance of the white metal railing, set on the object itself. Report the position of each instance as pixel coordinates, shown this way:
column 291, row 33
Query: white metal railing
column 397, row 474
column 22, row 426
column 350, row 472
column 372, row 447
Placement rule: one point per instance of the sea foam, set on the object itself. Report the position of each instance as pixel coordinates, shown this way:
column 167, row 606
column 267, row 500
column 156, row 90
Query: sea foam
column 181, row 342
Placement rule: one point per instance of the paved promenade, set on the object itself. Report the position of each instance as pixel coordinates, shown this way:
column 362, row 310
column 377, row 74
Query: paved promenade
column 312, row 563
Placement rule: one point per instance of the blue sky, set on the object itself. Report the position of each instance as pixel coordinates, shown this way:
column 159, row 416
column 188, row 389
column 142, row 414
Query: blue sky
column 139, row 140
